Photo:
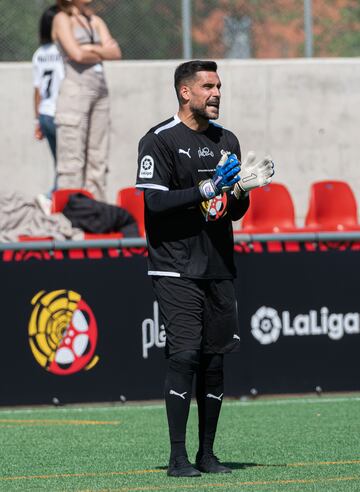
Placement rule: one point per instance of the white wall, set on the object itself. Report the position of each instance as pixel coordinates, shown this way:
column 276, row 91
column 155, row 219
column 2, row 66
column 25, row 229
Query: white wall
column 304, row 112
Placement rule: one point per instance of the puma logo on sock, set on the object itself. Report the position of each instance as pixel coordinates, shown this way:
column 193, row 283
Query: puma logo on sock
column 210, row 395
column 172, row 392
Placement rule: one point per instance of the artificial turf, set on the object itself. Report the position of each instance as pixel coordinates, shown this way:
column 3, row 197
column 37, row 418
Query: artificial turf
column 300, row 444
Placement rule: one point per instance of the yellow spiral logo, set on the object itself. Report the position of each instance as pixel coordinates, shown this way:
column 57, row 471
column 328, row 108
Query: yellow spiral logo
column 62, row 332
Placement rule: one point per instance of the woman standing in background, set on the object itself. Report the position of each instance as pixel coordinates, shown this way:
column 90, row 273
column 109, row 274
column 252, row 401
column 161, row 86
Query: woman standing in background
column 82, row 112
column 48, row 72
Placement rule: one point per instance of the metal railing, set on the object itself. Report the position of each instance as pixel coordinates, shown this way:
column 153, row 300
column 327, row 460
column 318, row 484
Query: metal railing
column 302, row 237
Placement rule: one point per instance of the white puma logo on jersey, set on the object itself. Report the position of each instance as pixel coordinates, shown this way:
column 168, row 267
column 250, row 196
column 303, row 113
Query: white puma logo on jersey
column 210, row 395
column 172, row 392
column 236, row 336
column 182, row 151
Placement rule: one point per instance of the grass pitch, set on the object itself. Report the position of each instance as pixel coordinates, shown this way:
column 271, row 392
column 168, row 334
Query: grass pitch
column 292, row 444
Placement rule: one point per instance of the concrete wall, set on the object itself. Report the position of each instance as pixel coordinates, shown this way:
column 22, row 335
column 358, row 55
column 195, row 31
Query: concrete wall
column 304, row 112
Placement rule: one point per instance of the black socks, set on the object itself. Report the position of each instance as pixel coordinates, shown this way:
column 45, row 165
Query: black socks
column 209, row 395
column 178, row 386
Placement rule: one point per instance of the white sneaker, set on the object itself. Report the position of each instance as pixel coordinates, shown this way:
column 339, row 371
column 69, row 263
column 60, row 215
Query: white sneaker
column 44, row 203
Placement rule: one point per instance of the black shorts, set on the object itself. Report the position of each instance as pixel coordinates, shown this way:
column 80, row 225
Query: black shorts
column 198, row 314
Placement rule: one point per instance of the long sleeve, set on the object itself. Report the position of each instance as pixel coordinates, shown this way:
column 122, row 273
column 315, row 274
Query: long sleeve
column 163, row 202
column 238, row 208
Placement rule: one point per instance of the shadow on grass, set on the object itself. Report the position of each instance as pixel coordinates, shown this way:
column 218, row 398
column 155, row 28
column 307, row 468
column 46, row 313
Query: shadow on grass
column 234, row 465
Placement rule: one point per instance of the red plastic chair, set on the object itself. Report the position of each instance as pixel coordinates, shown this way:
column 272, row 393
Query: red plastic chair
column 332, row 207
column 23, row 238
column 61, row 197
column 271, row 210
column 132, row 200
column 103, row 235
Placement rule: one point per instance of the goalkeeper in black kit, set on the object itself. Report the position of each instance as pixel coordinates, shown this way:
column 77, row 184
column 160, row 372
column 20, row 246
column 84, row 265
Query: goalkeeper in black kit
column 195, row 186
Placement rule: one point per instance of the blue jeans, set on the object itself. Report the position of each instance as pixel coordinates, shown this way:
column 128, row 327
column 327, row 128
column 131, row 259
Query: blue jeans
column 48, row 128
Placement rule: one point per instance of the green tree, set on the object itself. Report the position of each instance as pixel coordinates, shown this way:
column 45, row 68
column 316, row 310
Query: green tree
column 150, row 29
column 145, row 30
column 346, row 42
column 19, row 26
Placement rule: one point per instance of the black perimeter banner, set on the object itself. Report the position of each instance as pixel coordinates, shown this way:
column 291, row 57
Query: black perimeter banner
column 84, row 325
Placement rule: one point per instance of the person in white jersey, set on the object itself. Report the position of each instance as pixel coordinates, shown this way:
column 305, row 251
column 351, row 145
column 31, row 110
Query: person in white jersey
column 48, row 72
column 82, row 113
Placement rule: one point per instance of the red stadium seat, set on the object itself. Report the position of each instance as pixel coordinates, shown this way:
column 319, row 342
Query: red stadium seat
column 24, row 238
column 332, row 207
column 271, row 210
column 104, row 235
column 132, row 200
column 61, row 197
column 87, row 235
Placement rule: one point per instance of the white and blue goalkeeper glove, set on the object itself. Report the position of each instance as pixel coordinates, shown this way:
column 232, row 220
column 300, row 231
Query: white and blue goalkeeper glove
column 226, row 175
column 254, row 174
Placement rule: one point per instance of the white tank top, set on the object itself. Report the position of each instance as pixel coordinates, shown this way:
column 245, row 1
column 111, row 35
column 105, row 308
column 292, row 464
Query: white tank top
column 48, row 72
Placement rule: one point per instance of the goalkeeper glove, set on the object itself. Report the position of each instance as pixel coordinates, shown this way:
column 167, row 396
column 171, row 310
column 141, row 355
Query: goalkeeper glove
column 254, row 174
column 226, row 175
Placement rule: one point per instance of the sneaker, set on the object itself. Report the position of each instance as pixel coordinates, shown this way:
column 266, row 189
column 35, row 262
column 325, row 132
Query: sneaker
column 44, row 203
column 181, row 467
column 209, row 463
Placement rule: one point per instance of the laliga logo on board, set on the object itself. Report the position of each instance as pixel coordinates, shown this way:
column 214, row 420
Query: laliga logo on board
column 267, row 325
column 62, row 332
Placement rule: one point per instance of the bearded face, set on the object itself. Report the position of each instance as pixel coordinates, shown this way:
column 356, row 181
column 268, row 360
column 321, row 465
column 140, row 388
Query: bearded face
column 204, row 95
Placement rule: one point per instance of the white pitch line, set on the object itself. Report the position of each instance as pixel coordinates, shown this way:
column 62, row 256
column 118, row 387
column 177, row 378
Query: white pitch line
column 84, row 409
column 294, row 401
column 161, row 406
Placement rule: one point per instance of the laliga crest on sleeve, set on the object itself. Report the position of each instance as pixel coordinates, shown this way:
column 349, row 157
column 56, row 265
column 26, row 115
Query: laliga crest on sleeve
column 146, row 167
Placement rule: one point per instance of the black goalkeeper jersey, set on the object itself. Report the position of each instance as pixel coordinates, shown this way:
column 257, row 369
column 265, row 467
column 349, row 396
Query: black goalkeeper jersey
column 194, row 241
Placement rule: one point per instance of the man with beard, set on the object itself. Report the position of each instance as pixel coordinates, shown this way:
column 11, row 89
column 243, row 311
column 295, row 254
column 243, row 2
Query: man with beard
column 195, row 186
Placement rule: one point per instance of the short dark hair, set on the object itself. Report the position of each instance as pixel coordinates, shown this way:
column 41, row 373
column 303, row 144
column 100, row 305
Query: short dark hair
column 45, row 25
column 188, row 70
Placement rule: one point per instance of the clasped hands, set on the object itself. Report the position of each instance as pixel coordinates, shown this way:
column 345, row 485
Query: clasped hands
column 241, row 177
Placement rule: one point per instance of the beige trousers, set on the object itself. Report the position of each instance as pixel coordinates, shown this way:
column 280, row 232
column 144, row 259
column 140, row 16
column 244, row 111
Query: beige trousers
column 82, row 134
